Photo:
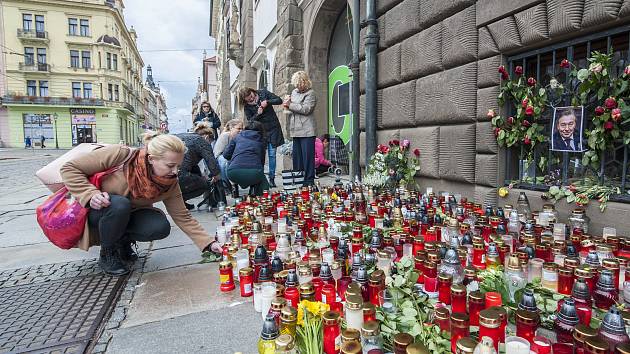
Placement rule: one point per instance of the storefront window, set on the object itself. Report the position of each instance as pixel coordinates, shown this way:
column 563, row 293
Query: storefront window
column 83, row 125
column 38, row 125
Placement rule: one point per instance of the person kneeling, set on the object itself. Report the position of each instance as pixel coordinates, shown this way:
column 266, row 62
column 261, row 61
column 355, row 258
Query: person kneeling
column 122, row 212
column 246, row 153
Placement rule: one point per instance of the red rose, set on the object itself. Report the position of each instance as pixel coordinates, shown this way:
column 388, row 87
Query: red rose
column 531, row 81
column 627, row 70
column 416, row 152
column 385, row 149
column 610, row 103
column 609, row 125
column 529, row 110
column 616, row 114
column 510, row 120
column 599, row 110
column 525, row 102
column 497, row 131
column 565, row 63
column 526, row 124
column 527, row 141
column 504, row 76
column 502, row 69
column 518, row 70
column 491, row 114
column 395, row 142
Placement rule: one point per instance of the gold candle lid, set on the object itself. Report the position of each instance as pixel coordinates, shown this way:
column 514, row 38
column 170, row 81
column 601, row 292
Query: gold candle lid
column 445, row 277
column 350, row 335
column 354, row 302
column 368, row 308
column 458, row 289
column 459, row 319
column 489, row 318
column 351, row 347
column 285, row 342
column 403, row 339
column 623, row 348
column 611, row 263
column 476, row 295
column 370, row 328
column 564, row 271
column 417, row 348
column 278, row 303
column 307, row 288
column 583, row 332
column 527, row 317
column 225, row 265
column 596, row 345
column 442, row 313
column 288, row 314
column 572, row 262
column 331, row 317
column 246, row 271
column 466, row 345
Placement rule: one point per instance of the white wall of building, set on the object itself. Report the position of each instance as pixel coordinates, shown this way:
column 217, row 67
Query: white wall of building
column 265, row 19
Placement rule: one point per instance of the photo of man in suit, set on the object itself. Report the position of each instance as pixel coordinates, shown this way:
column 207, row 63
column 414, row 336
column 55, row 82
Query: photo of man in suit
column 567, row 129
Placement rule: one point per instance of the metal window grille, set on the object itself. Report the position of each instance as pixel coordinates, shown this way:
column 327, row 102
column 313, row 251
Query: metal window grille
column 564, row 167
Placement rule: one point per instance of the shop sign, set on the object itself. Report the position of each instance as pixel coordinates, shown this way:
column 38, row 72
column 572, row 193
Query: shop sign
column 83, row 115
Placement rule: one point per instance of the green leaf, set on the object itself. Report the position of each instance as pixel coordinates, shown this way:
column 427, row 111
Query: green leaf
column 410, row 312
column 541, row 92
column 553, row 190
column 570, row 198
column 502, row 134
column 583, row 74
column 600, row 93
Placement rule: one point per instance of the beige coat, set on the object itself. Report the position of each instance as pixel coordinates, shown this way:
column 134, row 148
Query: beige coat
column 302, row 121
column 75, row 174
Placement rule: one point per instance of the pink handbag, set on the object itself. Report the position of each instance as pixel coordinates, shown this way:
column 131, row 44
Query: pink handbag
column 62, row 218
column 50, row 174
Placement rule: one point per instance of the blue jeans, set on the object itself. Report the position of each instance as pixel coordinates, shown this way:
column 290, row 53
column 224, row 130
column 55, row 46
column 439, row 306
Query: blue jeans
column 223, row 165
column 271, row 151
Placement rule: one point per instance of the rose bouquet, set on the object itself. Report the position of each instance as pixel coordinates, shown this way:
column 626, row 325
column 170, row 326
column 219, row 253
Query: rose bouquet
column 392, row 166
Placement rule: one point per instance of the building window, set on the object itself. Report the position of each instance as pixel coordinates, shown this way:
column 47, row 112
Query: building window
column 41, row 55
column 86, row 59
column 73, row 27
column 116, row 93
column 110, row 92
column 29, row 55
column 76, row 89
column 39, row 23
column 563, row 168
column 109, row 61
column 27, row 22
column 85, row 28
column 115, row 61
column 74, row 58
column 31, row 88
column 87, row 90
column 43, row 88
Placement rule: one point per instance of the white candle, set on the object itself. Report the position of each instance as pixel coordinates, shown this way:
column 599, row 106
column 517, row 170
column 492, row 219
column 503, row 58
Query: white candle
column 268, row 294
column 516, row 347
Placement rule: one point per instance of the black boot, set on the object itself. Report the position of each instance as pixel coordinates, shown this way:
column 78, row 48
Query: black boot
column 189, row 206
column 272, row 183
column 126, row 252
column 110, row 262
column 235, row 193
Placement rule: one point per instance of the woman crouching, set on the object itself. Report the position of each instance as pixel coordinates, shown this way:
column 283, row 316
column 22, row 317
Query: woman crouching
column 122, row 212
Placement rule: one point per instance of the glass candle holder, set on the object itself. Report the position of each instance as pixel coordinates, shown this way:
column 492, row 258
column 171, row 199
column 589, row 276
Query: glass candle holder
column 580, row 334
column 516, row 345
column 430, row 278
column 442, row 319
column 387, row 301
column 332, row 332
column 535, row 269
column 460, row 328
column 458, row 298
column 527, row 324
column 490, row 326
column 541, row 345
column 565, row 281
column 550, row 276
column 354, row 312
column 476, row 303
column 444, row 288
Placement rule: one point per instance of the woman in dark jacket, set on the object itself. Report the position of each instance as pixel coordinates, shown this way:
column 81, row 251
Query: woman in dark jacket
column 258, row 106
column 246, row 153
column 208, row 114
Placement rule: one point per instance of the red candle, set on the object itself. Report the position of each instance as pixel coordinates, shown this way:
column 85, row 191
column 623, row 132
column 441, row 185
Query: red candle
column 430, row 277
column 490, row 326
column 565, row 281
column 246, row 281
column 444, row 288
column 526, row 324
column 226, row 276
column 460, row 328
column 292, row 294
column 328, row 294
column 458, row 298
column 332, row 331
column 493, row 299
column 476, row 303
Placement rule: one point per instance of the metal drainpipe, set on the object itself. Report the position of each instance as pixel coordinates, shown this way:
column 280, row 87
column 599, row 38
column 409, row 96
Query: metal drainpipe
column 354, row 65
column 371, row 47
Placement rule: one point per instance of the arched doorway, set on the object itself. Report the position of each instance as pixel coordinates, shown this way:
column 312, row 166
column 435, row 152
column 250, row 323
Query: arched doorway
column 329, row 46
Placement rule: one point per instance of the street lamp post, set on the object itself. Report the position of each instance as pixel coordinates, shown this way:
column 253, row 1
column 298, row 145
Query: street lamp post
column 55, row 116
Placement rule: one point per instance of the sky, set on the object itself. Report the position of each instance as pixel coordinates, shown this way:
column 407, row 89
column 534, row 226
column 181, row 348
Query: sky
column 173, row 24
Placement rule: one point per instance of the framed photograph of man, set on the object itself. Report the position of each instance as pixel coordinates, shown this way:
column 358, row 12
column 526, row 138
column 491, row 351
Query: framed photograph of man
column 567, row 130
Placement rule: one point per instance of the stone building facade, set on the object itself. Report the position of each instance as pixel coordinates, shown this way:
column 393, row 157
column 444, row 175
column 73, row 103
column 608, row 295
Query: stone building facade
column 437, row 77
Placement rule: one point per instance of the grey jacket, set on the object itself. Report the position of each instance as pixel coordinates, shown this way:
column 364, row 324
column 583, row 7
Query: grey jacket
column 302, row 121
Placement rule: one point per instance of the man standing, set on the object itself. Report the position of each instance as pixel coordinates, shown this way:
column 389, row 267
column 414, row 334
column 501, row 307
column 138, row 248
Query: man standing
column 566, row 137
column 258, row 106
column 43, row 139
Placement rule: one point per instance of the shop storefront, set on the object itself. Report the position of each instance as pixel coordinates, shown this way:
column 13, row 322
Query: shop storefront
column 83, row 125
column 37, row 125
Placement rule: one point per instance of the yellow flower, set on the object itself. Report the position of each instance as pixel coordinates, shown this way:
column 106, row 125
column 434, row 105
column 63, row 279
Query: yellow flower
column 503, row 192
column 308, row 309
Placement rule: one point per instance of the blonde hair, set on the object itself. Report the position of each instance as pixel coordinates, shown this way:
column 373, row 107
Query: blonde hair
column 232, row 123
column 301, row 78
column 159, row 144
column 204, row 128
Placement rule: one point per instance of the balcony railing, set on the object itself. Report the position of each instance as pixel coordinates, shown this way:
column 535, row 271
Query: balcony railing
column 41, row 67
column 119, row 104
column 32, row 34
column 57, row 101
